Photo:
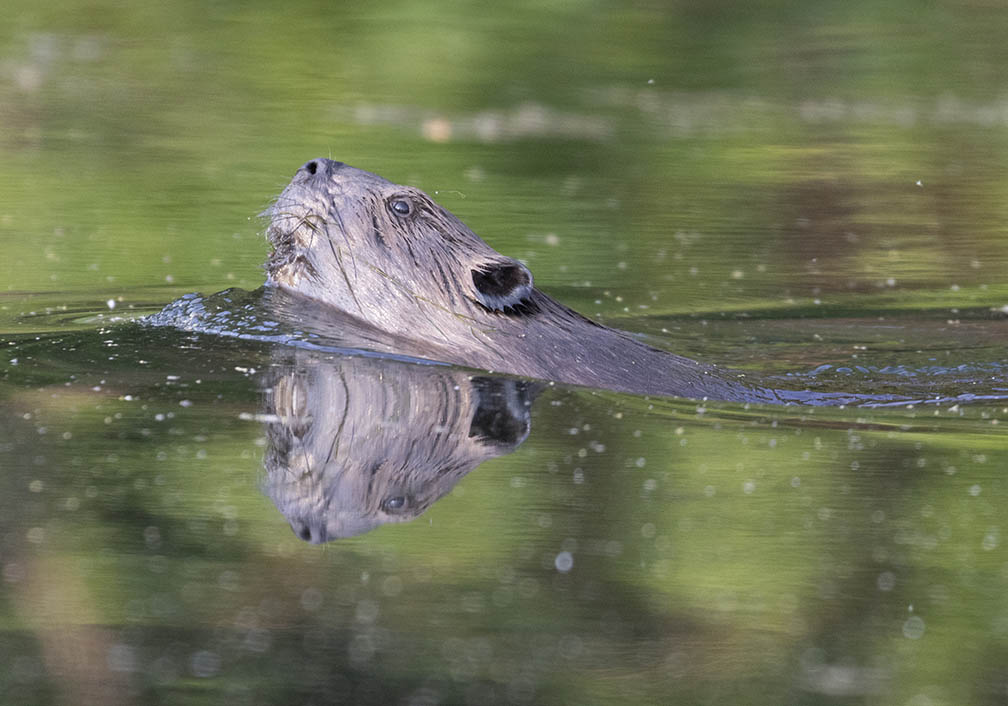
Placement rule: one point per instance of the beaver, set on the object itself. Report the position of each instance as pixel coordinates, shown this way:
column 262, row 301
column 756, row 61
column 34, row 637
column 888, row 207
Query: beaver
column 356, row 442
column 389, row 256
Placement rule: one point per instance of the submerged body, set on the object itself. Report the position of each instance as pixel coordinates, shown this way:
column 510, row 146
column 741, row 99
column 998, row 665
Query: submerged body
column 392, row 258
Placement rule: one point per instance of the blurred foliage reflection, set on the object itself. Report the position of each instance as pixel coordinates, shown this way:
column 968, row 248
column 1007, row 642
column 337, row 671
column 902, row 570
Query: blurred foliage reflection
column 774, row 187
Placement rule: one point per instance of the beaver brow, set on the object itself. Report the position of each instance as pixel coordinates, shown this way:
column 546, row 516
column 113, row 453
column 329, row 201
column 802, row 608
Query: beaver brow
column 425, row 208
column 444, row 225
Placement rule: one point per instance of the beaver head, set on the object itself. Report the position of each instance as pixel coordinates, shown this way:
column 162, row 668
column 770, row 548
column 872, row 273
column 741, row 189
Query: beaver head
column 385, row 252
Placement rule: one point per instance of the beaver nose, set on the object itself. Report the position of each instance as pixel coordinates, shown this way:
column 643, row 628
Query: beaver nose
column 304, row 530
column 317, row 166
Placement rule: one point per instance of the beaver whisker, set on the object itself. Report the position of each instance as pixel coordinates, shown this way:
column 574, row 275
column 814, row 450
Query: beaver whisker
column 288, row 246
column 350, row 289
column 308, row 221
column 308, row 471
column 268, row 211
column 343, row 231
column 304, row 219
column 334, row 446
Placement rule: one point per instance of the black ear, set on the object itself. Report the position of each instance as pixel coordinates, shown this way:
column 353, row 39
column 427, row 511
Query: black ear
column 502, row 284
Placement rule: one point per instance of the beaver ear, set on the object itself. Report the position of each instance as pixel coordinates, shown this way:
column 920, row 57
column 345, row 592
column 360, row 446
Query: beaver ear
column 502, row 284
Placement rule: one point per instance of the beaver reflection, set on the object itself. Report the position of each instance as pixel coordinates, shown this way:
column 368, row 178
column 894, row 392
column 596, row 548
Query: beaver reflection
column 356, row 442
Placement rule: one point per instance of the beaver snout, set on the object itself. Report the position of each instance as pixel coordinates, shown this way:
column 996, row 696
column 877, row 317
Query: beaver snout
column 316, row 167
column 313, row 534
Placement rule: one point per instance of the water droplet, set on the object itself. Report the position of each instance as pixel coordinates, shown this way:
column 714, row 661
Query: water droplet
column 913, row 628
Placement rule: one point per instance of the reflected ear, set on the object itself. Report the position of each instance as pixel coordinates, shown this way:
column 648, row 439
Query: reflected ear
column 502, row 284
column 502, row 417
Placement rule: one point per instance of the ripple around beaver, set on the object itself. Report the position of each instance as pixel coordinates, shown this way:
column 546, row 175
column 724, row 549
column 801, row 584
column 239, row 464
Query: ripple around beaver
column 271, row 315
column 357, row 434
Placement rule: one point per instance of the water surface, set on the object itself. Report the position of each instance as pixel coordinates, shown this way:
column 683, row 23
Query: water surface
column 810, row 193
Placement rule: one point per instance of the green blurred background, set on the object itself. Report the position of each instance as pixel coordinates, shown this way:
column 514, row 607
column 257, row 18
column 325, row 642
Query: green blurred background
column 753, row 184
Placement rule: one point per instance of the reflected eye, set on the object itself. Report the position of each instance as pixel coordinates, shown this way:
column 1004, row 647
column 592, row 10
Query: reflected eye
column 394, row 504
column 401, row 207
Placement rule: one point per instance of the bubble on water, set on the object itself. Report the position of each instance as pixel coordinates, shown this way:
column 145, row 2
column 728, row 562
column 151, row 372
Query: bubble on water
column 205, row 663
column 913, row 628
column 361, row 649
column 311, row 599
column 564, row 562
column 367, row 611
column 13, row 572
column 229, row 580
column 991, row 539
column 257, row 640
column 886, row 581
column 121, row 658
column 392, row 586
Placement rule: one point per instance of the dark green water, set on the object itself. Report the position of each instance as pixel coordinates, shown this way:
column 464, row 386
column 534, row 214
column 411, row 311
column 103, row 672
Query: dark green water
column 777, row 189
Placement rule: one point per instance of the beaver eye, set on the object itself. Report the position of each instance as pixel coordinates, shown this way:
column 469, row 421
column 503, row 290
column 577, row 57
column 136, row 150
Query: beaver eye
column 401, row 207
column 394, row 504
